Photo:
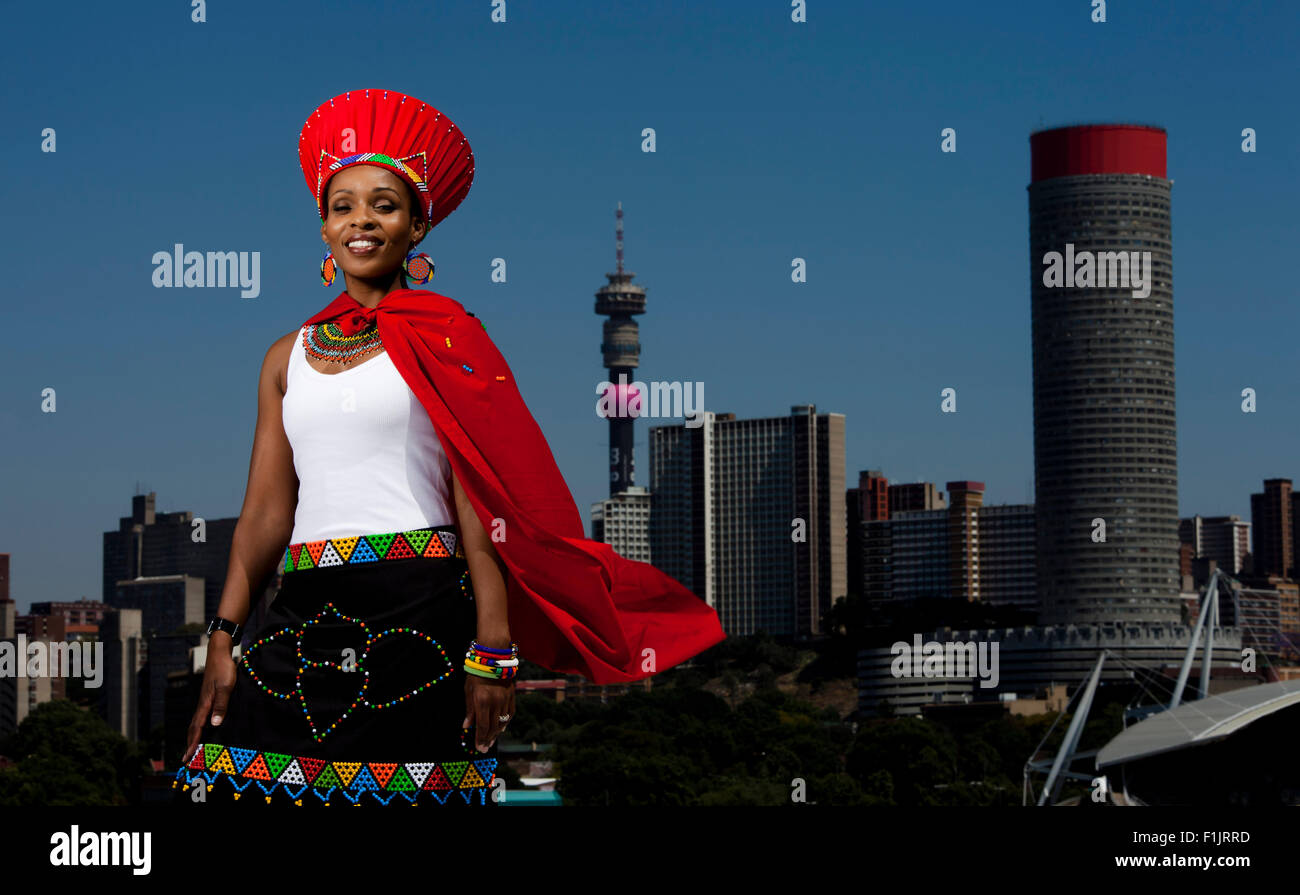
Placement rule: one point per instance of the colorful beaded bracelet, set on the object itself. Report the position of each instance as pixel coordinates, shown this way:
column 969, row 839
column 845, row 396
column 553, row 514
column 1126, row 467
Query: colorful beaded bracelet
column 491, row 656
column 492, row 662
column 501, row 673
column 506, row 673
column 512, row 650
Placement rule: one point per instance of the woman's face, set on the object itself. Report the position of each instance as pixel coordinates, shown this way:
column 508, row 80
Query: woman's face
column 369, row 222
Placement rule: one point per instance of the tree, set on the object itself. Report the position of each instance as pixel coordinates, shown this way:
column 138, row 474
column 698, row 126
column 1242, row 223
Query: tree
column 69, row 756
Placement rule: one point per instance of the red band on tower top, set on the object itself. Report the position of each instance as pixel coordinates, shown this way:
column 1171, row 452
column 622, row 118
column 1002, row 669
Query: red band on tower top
column 1098, row 149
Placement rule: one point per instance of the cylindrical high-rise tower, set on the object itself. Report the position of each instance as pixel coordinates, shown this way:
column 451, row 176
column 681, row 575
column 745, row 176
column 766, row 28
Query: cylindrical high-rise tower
column 620, row 350
column 1105, row 441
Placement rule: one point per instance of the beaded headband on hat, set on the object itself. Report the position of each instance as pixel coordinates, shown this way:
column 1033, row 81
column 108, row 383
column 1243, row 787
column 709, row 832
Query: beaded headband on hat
column 394, row 131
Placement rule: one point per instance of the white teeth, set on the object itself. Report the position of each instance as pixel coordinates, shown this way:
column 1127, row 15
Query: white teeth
column 363, row 242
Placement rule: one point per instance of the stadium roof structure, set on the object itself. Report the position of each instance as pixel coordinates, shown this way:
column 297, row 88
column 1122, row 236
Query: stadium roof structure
column 1198, row 723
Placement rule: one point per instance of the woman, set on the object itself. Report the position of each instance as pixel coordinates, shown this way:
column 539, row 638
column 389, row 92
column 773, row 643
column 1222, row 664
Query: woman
column 383, row 673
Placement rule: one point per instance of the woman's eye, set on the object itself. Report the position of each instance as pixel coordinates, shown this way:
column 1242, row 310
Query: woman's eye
column 385, row 208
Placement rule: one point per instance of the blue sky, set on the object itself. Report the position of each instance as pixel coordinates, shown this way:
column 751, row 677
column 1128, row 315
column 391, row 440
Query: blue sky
column 774, row 141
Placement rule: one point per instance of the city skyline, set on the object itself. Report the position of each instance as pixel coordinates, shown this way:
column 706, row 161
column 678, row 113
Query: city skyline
column 162, row 391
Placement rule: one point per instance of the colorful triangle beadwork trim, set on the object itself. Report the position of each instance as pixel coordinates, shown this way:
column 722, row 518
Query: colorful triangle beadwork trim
column 372, row 548
column 347, row 781
column 419, row 177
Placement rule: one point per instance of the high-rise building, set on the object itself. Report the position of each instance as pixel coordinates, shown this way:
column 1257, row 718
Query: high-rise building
column 750, row 515
column 918, row 558
column 8, row 608
column 623, row 521
column 1008, row 568
column 874, row 489
column 1257, row 612
column 1272, row 515
column 20, row 695
column 1295, row 539
column 868, row 502
column 123, row 637
column 1224, row 539
column 166, row 655
column 148, row 543
column 161, row 571
column 964, row 502
column 915, row 496
column 166, row 602
column 876, row 540
column 1289, row 616
column 1105, row 439
column 81, row 618
column 1284, row 595
column 967, row 551
column 683, row 498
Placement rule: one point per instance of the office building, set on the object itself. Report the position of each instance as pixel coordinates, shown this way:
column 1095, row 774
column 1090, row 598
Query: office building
column 149, row 544
column 750, row 515
column 166, row 602
column 623, row 521
column 1223, row 539
column 1272, row 515
column 124, row 656
column 1105, row 439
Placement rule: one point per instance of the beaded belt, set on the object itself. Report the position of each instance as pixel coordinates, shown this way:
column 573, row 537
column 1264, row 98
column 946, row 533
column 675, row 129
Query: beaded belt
column 348, row 780
column 372, row 548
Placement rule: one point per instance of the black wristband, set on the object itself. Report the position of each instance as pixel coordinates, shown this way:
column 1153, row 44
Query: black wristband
column 224, row 624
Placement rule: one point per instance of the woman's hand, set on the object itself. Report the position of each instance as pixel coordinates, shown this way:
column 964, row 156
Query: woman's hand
column 486, row 702
column 214, row 697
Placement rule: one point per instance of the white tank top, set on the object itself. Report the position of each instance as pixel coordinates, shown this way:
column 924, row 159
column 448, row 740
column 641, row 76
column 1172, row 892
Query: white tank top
column 367, row 456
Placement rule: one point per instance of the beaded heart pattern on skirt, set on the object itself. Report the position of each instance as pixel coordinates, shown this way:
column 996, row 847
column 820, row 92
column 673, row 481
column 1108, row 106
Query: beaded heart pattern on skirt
column 361, row 700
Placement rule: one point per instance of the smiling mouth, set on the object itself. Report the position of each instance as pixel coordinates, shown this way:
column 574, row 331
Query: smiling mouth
column 363, row 245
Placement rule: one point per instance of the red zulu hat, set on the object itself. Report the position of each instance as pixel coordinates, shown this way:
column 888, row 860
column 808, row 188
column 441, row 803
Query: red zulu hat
column 391, row 130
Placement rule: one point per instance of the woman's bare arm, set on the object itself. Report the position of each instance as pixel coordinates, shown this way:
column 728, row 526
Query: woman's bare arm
column 489, row 704
column 271, row 496
column 487, row 573
column 264, row 527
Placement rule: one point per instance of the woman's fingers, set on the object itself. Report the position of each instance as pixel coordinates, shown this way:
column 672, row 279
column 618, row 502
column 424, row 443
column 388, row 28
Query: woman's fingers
column 485, row 732
column 485, row 704
column 220, row 701
column 223, row 689
column 196, row 724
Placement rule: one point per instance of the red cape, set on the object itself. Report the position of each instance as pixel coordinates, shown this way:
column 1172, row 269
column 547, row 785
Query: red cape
column 575, row 606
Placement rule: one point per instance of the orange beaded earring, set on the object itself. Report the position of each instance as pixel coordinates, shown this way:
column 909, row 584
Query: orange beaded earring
column 327, row 268
column 418, row 266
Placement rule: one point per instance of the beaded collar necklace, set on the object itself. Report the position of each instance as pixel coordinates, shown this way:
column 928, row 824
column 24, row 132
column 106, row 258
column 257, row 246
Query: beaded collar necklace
column 325, row 341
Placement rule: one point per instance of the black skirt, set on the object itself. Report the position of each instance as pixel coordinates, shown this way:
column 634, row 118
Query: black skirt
column 352, row 692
